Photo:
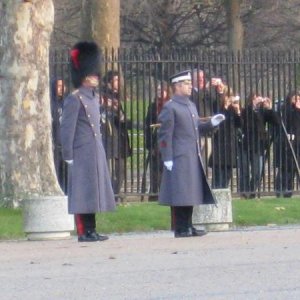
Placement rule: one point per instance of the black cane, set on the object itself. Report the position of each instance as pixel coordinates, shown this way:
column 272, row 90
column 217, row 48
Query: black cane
column 291, row 148
column 143, row 188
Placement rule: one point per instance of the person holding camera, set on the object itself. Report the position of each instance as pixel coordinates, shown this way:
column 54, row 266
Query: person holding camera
column 204, row 94
column 224, row 143
column 257, row 114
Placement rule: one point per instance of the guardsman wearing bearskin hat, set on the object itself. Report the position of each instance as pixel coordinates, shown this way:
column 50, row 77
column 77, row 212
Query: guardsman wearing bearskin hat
column 89, row 185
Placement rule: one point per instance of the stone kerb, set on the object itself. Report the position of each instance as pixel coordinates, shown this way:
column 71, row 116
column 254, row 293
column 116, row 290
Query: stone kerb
column 215, row 217
column 47, row 218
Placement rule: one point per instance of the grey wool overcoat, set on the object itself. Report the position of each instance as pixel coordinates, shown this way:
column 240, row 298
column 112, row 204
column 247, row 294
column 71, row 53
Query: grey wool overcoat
column 89, row 182
column 178, row 138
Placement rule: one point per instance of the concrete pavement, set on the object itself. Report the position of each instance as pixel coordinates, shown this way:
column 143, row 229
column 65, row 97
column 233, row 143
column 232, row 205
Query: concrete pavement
column 260, row 263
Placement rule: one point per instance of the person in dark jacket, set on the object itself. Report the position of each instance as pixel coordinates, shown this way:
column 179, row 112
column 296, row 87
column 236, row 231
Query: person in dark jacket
column 58, row 91
column 200, row 95
column 204, row 94
column 183, row 183
column 256, row 116
column 285, row 161
column 90, row 189
column 115, row 128
column 153, row 159
column 224, row 154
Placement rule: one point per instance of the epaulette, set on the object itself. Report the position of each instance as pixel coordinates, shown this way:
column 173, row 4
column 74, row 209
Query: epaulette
column 169, row 101
column 75, row 92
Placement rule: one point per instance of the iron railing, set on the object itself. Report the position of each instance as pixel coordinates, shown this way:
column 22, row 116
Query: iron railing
column 271, row 74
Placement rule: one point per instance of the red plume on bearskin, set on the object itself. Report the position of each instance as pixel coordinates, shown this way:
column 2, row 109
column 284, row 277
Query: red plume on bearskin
column 74, row 57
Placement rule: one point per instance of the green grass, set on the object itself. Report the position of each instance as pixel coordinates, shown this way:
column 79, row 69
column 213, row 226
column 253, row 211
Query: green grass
column 135, row 217
column 11, row 224
column 150, row 216
column 266, row 211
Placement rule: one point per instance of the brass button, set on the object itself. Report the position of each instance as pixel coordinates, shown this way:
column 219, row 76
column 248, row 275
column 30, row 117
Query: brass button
column 92, row 125
column 89, row 116
column 95, row 134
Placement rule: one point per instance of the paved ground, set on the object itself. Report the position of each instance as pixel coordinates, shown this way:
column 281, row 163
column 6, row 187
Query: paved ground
column 250, row 264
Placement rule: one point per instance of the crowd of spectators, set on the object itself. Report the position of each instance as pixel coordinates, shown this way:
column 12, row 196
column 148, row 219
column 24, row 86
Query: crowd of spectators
column 253, row 132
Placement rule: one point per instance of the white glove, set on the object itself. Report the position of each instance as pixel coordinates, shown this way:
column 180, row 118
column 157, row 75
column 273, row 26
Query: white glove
column 169, row 165
column 217, row 119
column 291, row 137
column 69, row 162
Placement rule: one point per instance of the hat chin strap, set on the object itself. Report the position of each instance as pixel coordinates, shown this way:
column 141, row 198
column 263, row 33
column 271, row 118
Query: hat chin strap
column 91, row 81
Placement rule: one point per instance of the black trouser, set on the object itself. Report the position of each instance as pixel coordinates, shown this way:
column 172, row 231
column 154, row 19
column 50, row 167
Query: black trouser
column 61, row 169
column 155, row 168
column 117, row 173
column 250, row 164
column 183, row 218
column 285, row 178
column 85, row 223
column 221, row 176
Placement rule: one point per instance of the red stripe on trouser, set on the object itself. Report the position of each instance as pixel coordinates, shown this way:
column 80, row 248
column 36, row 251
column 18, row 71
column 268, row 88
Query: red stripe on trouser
column 79, row 220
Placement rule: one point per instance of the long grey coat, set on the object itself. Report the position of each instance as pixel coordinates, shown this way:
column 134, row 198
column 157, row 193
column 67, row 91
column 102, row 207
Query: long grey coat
column 178, row 139
column 90, row 188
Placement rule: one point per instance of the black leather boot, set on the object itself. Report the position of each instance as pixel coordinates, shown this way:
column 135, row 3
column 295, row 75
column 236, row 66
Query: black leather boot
column 90, row 236
column 198, row 232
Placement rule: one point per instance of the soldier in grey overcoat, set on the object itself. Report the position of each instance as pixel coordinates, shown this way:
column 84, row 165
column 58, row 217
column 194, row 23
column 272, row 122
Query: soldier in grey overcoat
column 90, row 188
column 183, row 183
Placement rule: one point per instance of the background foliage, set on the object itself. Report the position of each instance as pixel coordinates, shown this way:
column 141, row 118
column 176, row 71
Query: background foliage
column 190, row 23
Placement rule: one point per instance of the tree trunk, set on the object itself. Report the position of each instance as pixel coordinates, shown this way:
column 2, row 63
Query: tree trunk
column 235, row 26
column 86, row 20
column 101, row 23
column 26, row 157
column 101, row 19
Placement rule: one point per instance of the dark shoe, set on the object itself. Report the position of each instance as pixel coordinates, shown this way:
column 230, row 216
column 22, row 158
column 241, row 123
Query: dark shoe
column 89, row 237
column 287, row 194
column 182, row 234
column 244, row 196
column 152, row 198
column 102, row 237
column 251, row 196
column 248, row 195
column 197, row 232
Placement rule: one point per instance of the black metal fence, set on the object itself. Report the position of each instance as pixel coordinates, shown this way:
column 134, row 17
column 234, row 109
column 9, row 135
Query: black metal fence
column 264, row 170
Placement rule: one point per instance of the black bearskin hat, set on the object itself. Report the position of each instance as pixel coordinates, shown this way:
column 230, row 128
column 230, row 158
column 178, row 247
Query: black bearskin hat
column 85, row 61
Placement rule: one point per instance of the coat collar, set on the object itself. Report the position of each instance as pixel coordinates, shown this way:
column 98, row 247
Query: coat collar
column 181, row 99
column 88, row 91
